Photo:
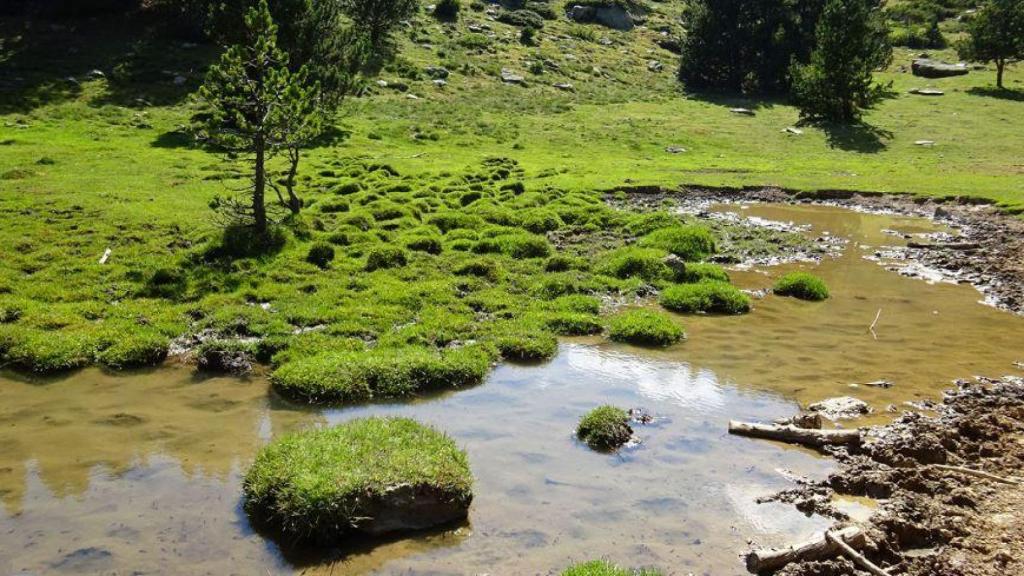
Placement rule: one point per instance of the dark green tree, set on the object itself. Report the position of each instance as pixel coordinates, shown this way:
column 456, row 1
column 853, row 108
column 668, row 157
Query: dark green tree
column 254, row 104
column 996, row 34
column 851, row 43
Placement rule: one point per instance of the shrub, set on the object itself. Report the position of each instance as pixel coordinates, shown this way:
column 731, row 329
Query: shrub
column 572, row 323
column 320, row 255
column 691, row 243
column 321, row 485
column 644, row 263
column 604, row 568
column 350, row 377
column 447, row 10
column 645, row 328
column 528, row 346
column 135, row 350
column 802, row 285
column 522, row 19
column 386, row 257
column 712, row 296
column 702, row 272
column 240, row 241
column 605, row 428
column 527, row 37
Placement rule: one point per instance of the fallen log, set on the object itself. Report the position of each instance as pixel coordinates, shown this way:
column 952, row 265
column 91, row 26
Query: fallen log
column 820, row 548
column 852, row 554
column 794, row 435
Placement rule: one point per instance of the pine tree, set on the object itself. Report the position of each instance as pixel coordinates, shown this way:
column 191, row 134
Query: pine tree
column 254, row 104
column 996, row 34
column 851, row 43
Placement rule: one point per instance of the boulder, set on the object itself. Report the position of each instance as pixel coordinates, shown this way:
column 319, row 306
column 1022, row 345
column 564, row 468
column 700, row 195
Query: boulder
column 742, row 111
column 655, row 66
column 564, row 86
column 612, row 16
column 840, row 408
column 437, row 72
column 926, row 92
column 674, row 263
column 509, row 77
column 929, row 68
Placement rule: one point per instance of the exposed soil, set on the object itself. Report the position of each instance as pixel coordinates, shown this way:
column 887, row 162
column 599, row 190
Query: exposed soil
column 987, row 250
column 931, row 521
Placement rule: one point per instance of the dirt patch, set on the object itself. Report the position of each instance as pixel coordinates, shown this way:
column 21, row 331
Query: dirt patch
column 987, row 250
column 933, row 521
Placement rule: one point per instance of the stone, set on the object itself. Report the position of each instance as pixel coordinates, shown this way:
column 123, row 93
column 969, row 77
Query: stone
column 675, row 149
column 94, row 74
column 655, row 66
column 671, row 44
column 440, row 83
column 743, row 111
column 793, row 130
column 382, row 83
column 840, row 408
column 412, row 97
column 925, row 143
column 928, row 68
column 509, row 77
column 615, row 17
column 676, row 264
column 437, row 72
column 564, row 86
column 926, row 92
column 179, row 80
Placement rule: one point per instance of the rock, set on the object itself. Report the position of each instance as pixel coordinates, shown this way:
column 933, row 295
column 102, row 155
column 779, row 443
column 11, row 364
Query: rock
column 179, row 80
column 655, row 66
column 926, row 92
column 676, row 264
column 94, row 74
column 671, row 44
column 564, row 86
column 839, row 408
column 382, row 83
column 437, row 72
column 226, row 360
column 927, row 143
column 808, row 420
column 509, row 77
column 928, row 68
column 793, row 130
column 412, row 97
column 440, row 83
column 879, row 384
column 675, row 149
column 612, row 16
column 605, row 41
column 743, row 111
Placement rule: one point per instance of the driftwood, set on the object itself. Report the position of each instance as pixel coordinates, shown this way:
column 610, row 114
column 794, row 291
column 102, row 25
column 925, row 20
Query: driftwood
column 794, row 435
column 852, row 554
column 977, row 474
column 820, row 548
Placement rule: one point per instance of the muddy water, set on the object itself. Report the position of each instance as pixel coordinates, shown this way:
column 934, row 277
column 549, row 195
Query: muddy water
column 141, row 473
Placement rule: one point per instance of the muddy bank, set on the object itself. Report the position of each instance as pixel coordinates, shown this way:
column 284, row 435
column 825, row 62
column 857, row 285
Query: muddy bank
column 986, row 251
column 934, row 521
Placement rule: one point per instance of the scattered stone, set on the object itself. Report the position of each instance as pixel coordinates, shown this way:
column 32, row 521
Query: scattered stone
column 94, row 74
column 671, row 44
column 879, row 384
column 605, row 41
column 655, row 66
column 440, row 83
column 926, row 92
column 675, row 149
column 565, row 86
column 382, row 83
column 926, row 143
column 793, row 130
column 611, row 16
column 437, row 72
column 840, row 408
column 928, row 68
column 641, row 416
column 509, row 77
column 743, row 111
column 676, row 264
column 412, row 97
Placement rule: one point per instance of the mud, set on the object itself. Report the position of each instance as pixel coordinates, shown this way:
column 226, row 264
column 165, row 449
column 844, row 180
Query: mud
column 932, row 521
column 987, row 250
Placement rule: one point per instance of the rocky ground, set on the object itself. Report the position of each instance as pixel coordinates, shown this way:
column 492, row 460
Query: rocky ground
column 987, row 250
column 932, row 521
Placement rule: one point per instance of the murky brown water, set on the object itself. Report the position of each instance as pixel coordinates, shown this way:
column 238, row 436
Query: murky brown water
column 141, row 473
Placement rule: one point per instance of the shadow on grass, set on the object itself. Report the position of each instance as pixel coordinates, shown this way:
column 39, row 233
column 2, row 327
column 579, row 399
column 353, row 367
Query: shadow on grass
column 857, row 137
column 735, row 100
column 1001, row 93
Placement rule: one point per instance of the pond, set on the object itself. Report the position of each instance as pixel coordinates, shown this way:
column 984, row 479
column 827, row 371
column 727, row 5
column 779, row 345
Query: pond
column 141, row 473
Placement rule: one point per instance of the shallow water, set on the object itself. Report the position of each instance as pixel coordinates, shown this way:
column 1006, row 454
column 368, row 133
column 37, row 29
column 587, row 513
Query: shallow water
column 141, row 473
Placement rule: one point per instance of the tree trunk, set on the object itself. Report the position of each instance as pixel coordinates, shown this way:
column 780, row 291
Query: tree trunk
column 294, row 203
column 259, row 207
column 1000, row 64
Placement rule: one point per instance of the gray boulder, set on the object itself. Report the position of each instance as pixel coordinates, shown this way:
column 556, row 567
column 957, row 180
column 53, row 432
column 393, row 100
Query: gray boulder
column 840, row 408
column 928, row 68
column 612, row 16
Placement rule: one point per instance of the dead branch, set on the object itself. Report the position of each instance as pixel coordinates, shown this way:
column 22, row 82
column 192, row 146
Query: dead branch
column 820, row 548
column 852, row 554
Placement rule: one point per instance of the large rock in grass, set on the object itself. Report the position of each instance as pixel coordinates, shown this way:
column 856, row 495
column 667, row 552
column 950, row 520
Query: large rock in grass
column 928, row 68
column 610, row 15
column 368, row 476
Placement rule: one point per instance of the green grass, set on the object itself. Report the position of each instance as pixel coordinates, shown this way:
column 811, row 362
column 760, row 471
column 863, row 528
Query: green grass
column 604, row 428
column 709, row 296
column 802, row 285
column 691, row 243
column 644, row 327
column 351, row 377
column 321, row 485
column 605, row 568
column 701, row 272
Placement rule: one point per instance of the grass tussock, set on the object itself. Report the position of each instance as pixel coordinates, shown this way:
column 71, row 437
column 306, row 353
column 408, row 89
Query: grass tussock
column 605, row 428
column 712, row 297
column 644, row 328
column 605, row 568
column 802, row 285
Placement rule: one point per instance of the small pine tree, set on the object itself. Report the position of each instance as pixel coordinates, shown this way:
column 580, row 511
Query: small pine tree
column 996, row 34
column 253, row 104
column 851, row 43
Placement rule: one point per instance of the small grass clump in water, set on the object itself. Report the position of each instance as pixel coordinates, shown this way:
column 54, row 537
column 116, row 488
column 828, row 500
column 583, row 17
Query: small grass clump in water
column 605, row 568
column 802, row 285
column 605, row 428
column 528, row 346
column 691, row 243
column 702, row 272
column 645, row 328
column 368, row 475
column 380, row 373
column 711, row 297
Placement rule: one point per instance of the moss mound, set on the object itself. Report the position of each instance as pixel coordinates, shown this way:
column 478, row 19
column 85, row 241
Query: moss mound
column 691, row 243
column 644, row 263
column 361, row 376
column 802, row 285
column 135, row 351
column 712, row 297
column 386, row 257
column 605, row 568
column 645, row 328
column 372, row 475
column 702, row 272
column 605, row 428
column 530, row 346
